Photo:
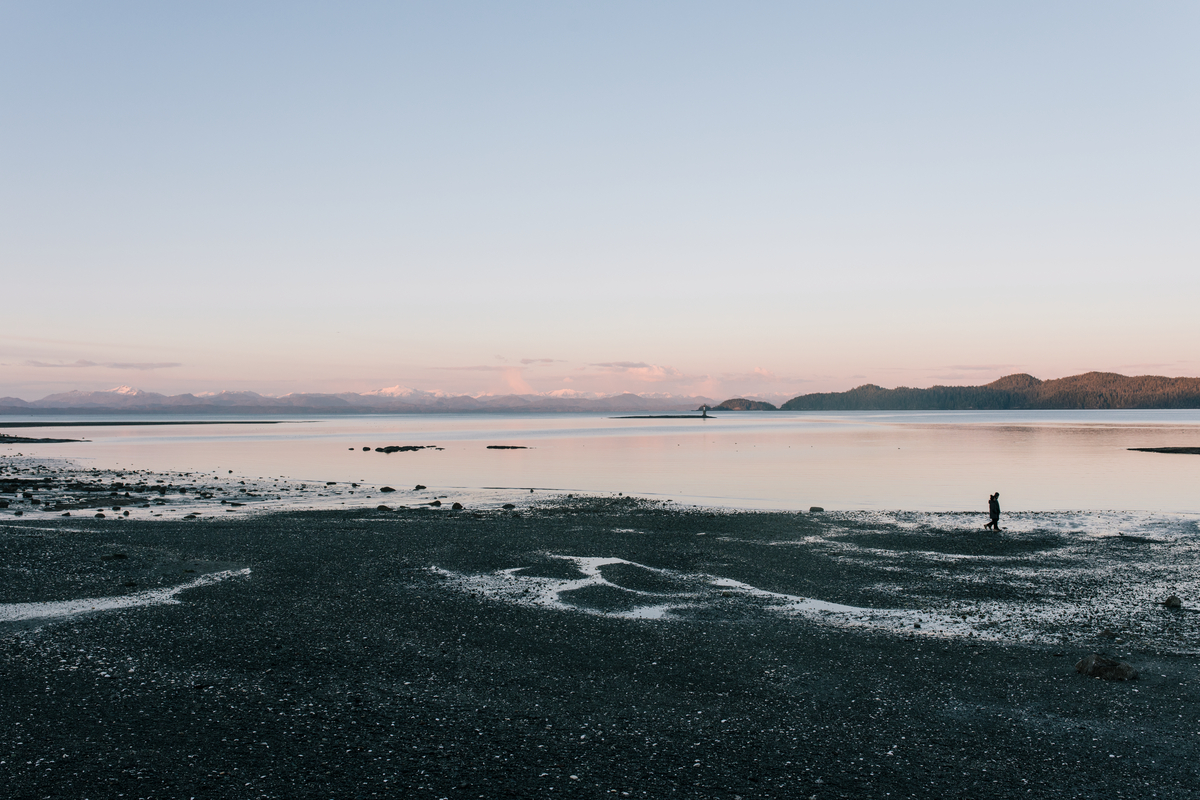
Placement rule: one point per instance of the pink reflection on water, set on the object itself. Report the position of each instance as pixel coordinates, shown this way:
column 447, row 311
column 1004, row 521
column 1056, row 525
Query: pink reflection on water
column 916, row 460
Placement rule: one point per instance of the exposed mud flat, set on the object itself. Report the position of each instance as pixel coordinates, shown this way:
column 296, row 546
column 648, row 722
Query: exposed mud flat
column 44, row 488
column 597, row 648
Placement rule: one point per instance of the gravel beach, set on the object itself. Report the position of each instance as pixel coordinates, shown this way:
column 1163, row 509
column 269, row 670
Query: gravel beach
column 593, row 647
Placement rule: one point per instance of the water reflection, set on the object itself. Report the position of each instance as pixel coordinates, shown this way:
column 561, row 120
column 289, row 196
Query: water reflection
column 914, row 460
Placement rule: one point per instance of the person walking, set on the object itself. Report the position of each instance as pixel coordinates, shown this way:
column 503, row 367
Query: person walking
column 994, row 512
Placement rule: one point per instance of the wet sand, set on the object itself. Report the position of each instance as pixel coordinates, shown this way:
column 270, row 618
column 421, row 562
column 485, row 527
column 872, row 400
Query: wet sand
column 594, row 647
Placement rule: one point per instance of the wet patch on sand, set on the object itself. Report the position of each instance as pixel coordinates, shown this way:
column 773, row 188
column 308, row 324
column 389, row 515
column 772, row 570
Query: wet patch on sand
column 1066, row 580
column 58, row 609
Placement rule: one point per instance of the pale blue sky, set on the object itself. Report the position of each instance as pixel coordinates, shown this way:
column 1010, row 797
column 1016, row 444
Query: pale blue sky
column 324, row 197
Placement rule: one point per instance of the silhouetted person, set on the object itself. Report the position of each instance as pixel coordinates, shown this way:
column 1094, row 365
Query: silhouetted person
column 994, row 512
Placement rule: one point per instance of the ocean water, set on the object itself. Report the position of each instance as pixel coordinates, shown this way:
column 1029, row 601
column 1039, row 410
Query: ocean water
column 913, row 461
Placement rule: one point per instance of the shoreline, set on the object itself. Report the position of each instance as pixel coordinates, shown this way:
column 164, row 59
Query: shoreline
column 451, row 654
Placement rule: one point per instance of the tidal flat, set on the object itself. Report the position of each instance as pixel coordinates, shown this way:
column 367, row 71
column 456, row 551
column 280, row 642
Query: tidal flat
column 597, row 647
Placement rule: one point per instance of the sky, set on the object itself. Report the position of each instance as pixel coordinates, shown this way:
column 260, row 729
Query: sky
column 757, row 199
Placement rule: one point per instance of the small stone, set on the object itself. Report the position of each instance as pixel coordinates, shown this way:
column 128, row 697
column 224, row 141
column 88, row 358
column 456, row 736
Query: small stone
column 98, row 515
column 508, row 506
column 116, row 508
column 437, row 503
column 382, row 508
column 418, row 488
column 1095, row 665
column 387, row 489
column 366, row 449
column 815, row 510
column 1173, row 602
column 457, row 507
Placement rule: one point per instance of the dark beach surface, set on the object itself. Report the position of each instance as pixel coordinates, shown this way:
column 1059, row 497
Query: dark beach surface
column 461, row 654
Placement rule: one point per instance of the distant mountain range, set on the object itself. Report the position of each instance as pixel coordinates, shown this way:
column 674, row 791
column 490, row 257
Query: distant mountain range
column 1090, row 390
column 397, row 399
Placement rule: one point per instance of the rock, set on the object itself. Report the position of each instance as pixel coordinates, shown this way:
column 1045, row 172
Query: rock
column 508, row 506
column 349, row 448
column 22, row 513
column 815, row 510
column 386, row 489
column 382, row 508
column 418, row 488
column 366, row 449
column 436, row 503
column 125, row 513
column 116, row 508
column 67, row 514
column 98, row 515
column 1098, row 666
column 1173, row 602
column 457, row 507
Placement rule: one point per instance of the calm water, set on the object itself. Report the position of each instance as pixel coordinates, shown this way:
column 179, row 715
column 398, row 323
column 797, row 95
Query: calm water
column 925, row 461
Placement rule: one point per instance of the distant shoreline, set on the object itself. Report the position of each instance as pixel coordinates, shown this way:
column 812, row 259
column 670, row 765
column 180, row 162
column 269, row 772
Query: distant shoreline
column 127, row 423
column 1020, row 392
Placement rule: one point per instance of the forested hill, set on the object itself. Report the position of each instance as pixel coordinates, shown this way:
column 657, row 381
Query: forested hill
column 1090, row 390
